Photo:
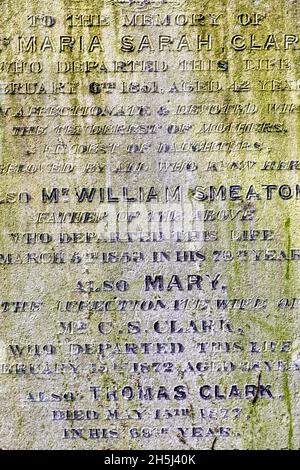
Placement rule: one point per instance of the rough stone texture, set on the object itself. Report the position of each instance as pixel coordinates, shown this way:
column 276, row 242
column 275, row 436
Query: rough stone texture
column 221, row 364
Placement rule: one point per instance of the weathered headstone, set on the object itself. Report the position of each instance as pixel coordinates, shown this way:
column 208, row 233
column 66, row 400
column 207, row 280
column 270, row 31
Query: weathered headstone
column 150, row 216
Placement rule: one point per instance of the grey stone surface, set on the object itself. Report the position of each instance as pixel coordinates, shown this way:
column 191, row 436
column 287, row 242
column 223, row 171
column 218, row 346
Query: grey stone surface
column 149, row 201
